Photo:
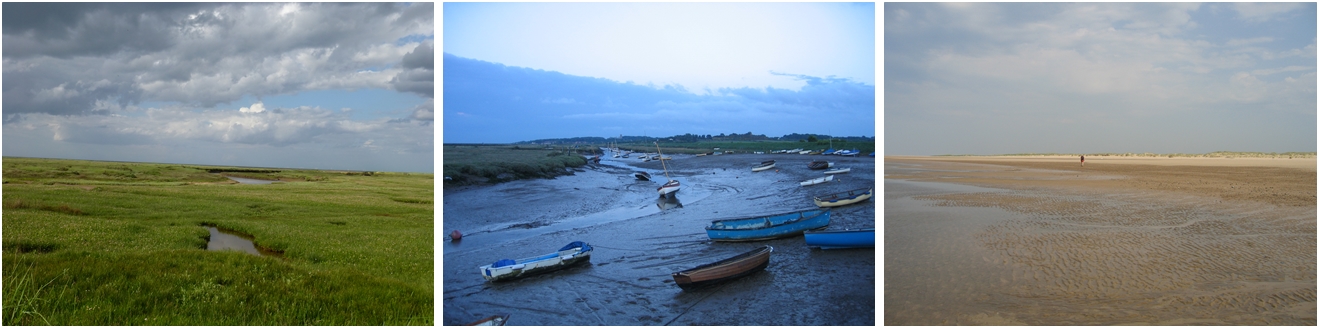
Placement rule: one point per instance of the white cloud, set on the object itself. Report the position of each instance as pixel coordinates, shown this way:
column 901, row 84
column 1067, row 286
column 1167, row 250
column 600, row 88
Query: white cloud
column 256, row 108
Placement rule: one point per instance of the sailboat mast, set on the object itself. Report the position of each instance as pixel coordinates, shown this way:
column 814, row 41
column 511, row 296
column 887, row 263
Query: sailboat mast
column 661, row 156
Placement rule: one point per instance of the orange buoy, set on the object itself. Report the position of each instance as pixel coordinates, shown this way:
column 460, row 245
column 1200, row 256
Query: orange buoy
column 455, row 235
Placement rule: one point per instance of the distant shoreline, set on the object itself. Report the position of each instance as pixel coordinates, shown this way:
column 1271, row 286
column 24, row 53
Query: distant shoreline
column 1217, row 154
column 1308, row 164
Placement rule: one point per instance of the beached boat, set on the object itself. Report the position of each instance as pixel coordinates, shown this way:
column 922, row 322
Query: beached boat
column 724, row 270
column 767, row 226
column 837, row 171
column 669, row 187
column 505, row 269
column 832, row 239
column 494, row 320
column 817, row 181
column 763, row 166
column 642, row 176
column 819, row 165
column 844, row 198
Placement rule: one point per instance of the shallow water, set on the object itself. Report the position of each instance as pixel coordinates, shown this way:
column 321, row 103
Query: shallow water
column 958, row 254
column 224, row 241
column 641, row 240
column 250, row 181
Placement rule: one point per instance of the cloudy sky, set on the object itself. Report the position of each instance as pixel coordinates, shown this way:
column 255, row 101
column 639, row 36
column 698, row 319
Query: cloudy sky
column 330, row 86
column 1098, row 77
column 525, row 71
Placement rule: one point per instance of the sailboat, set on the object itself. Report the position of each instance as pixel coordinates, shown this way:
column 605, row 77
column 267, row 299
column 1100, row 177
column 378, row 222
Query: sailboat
column 672, row 186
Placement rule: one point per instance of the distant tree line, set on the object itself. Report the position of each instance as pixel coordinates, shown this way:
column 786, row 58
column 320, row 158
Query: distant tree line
column 688, row 137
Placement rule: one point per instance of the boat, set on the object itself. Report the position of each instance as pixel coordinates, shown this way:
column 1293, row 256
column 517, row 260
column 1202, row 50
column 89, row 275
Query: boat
column 817, row 181
column 845, row 198
column 767, row 226
column 833, row 239
column 724, row 270
column 837, row 171
column 494, row 320
column 506, row 269
column 819, row 165
column 852, row 152
column 763, row 166
column 669, row 187
column 642, row 176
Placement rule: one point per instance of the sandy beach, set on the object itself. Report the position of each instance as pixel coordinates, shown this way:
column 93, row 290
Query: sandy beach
column 1143, row 241
column 640, row 239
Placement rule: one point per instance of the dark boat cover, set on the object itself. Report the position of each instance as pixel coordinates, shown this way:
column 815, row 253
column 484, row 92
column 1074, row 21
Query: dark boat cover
column 504, row 263
column 576, row 244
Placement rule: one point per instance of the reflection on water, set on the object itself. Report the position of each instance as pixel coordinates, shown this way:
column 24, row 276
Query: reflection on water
column 250, row 181
column 668, row 203
column 223, row 241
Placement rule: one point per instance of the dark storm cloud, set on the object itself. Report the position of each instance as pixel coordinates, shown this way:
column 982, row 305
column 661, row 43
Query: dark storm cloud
column 81, row 58
column 419, row 76
column 490, row 102
column 87, row 29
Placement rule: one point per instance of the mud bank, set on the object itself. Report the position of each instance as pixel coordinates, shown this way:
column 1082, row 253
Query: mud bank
column 639, row 241
column 1008, row 243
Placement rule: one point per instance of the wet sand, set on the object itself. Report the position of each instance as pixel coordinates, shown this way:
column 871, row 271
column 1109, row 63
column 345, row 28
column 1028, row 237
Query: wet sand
column 1043, row 241
column 640, row 239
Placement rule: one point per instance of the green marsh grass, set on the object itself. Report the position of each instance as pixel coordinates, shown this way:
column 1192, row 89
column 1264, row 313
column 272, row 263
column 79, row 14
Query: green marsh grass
column 472, row 164
column 112, row 250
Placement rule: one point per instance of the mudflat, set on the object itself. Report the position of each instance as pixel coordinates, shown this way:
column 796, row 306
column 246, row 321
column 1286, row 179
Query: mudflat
column 640, row 239
column 1045, row 241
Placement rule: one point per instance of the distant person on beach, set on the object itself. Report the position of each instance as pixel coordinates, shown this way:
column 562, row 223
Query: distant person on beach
column 1082, row 160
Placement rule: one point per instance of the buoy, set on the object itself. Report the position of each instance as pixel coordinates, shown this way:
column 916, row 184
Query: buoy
column 455, row 235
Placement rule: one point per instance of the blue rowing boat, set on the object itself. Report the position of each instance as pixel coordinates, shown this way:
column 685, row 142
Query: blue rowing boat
column 505, row 269
column 767, row 227
column 831, row 239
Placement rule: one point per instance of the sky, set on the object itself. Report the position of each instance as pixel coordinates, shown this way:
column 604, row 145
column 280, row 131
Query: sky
column 982, row 78
column 526, row 71
column 299, row 85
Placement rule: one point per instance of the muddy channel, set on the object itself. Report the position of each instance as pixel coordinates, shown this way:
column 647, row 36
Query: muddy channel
column 640, row 240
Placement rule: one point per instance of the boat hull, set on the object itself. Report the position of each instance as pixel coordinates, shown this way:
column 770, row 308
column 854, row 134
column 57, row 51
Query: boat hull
column 817, row 181
column 839, row 199
column 838, row 171
column 767, row 227
column 669, row 188
column 724, row 270
column 864, row 238
column 642, row 176
column 531, row 266
column 762, row 167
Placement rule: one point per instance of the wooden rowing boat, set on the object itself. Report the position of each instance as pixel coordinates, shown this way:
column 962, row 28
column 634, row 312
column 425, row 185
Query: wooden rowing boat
column 767, row 226
column 642, row 176
column 506, row 269
column 819, row 165
column 844, row 198
column 724, row 270
column 763, row 166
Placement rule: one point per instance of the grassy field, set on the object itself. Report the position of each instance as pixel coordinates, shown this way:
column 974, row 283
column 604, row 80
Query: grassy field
column 108, row 243
column 473, row 164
